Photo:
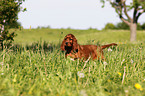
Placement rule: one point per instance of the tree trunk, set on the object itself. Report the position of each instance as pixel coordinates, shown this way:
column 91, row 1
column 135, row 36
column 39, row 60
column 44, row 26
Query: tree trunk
column 133, row 27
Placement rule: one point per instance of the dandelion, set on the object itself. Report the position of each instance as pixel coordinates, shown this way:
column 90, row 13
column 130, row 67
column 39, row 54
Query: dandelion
column 80, row 74
column 138, row 86
column 131, row 61
column 119, row 73
column 109, row 49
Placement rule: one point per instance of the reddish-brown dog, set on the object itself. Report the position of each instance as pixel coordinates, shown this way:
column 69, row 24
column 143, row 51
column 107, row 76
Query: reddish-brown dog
column 74, row 50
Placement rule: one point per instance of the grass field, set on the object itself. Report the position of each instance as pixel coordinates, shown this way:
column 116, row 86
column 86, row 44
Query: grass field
column 27, row 36
column 37, row 67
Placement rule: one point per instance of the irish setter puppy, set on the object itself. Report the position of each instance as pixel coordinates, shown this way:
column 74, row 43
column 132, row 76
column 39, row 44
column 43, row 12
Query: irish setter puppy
column 76, row 51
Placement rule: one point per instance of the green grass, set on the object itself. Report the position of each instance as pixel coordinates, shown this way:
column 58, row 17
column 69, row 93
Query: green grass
column 36, row 69
column 27, row 36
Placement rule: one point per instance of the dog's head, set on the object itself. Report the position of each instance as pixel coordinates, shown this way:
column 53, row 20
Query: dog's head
column 69, row 43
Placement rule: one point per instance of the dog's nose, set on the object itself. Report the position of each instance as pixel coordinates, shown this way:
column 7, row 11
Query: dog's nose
column 66, row 43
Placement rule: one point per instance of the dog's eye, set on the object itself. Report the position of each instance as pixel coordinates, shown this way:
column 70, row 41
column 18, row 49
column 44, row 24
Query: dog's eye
column 70, row 39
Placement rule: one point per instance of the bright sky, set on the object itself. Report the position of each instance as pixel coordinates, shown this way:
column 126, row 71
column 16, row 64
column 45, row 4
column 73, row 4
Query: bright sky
column 76, row 14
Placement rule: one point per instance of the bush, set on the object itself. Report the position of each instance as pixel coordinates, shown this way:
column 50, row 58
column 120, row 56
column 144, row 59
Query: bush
column 122, row 25
column 143, row 26
column 8, row 15
column 110, row 26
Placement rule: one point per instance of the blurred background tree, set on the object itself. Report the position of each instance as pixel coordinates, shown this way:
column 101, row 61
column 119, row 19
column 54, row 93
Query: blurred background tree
column 109, row 26
column 9, row 10
column 122, row 9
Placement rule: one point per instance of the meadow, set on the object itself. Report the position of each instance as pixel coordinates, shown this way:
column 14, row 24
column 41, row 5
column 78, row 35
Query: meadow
column 35, row 66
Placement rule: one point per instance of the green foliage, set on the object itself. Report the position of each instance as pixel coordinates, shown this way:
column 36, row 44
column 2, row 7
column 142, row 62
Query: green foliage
column 15, row 24
column 110, row 26
column 139, row 26
column 8, row 15
column 143, row 26
column 139, row 3
column 122, row 25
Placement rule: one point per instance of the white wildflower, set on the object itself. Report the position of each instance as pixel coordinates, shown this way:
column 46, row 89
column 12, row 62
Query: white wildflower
column 2, row 73
column 109, row 49
column 2, row 28
column 123, row 60
column 4, row 21
column 105, row 63
column 80, row 74
column 126, row 91
column 72, row 59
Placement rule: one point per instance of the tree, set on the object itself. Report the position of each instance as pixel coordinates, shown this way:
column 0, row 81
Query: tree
column 122, row 9
column 15, row 24
column 8, row 14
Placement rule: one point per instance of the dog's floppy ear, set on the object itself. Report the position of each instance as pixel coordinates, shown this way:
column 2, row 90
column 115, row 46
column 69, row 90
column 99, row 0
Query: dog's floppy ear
column 63, row 45
column 75, row 44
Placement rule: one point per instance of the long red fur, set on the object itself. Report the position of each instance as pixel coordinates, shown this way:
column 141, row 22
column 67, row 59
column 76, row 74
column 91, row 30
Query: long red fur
column 76, row 51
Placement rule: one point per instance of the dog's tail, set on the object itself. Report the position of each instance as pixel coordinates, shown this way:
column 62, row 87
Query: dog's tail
column 108, row 45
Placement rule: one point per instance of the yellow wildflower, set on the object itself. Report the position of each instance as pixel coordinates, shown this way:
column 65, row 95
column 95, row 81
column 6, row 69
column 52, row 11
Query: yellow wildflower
column 138, row 86
column 119, row 73
column 30, row 92
column 109, row 80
